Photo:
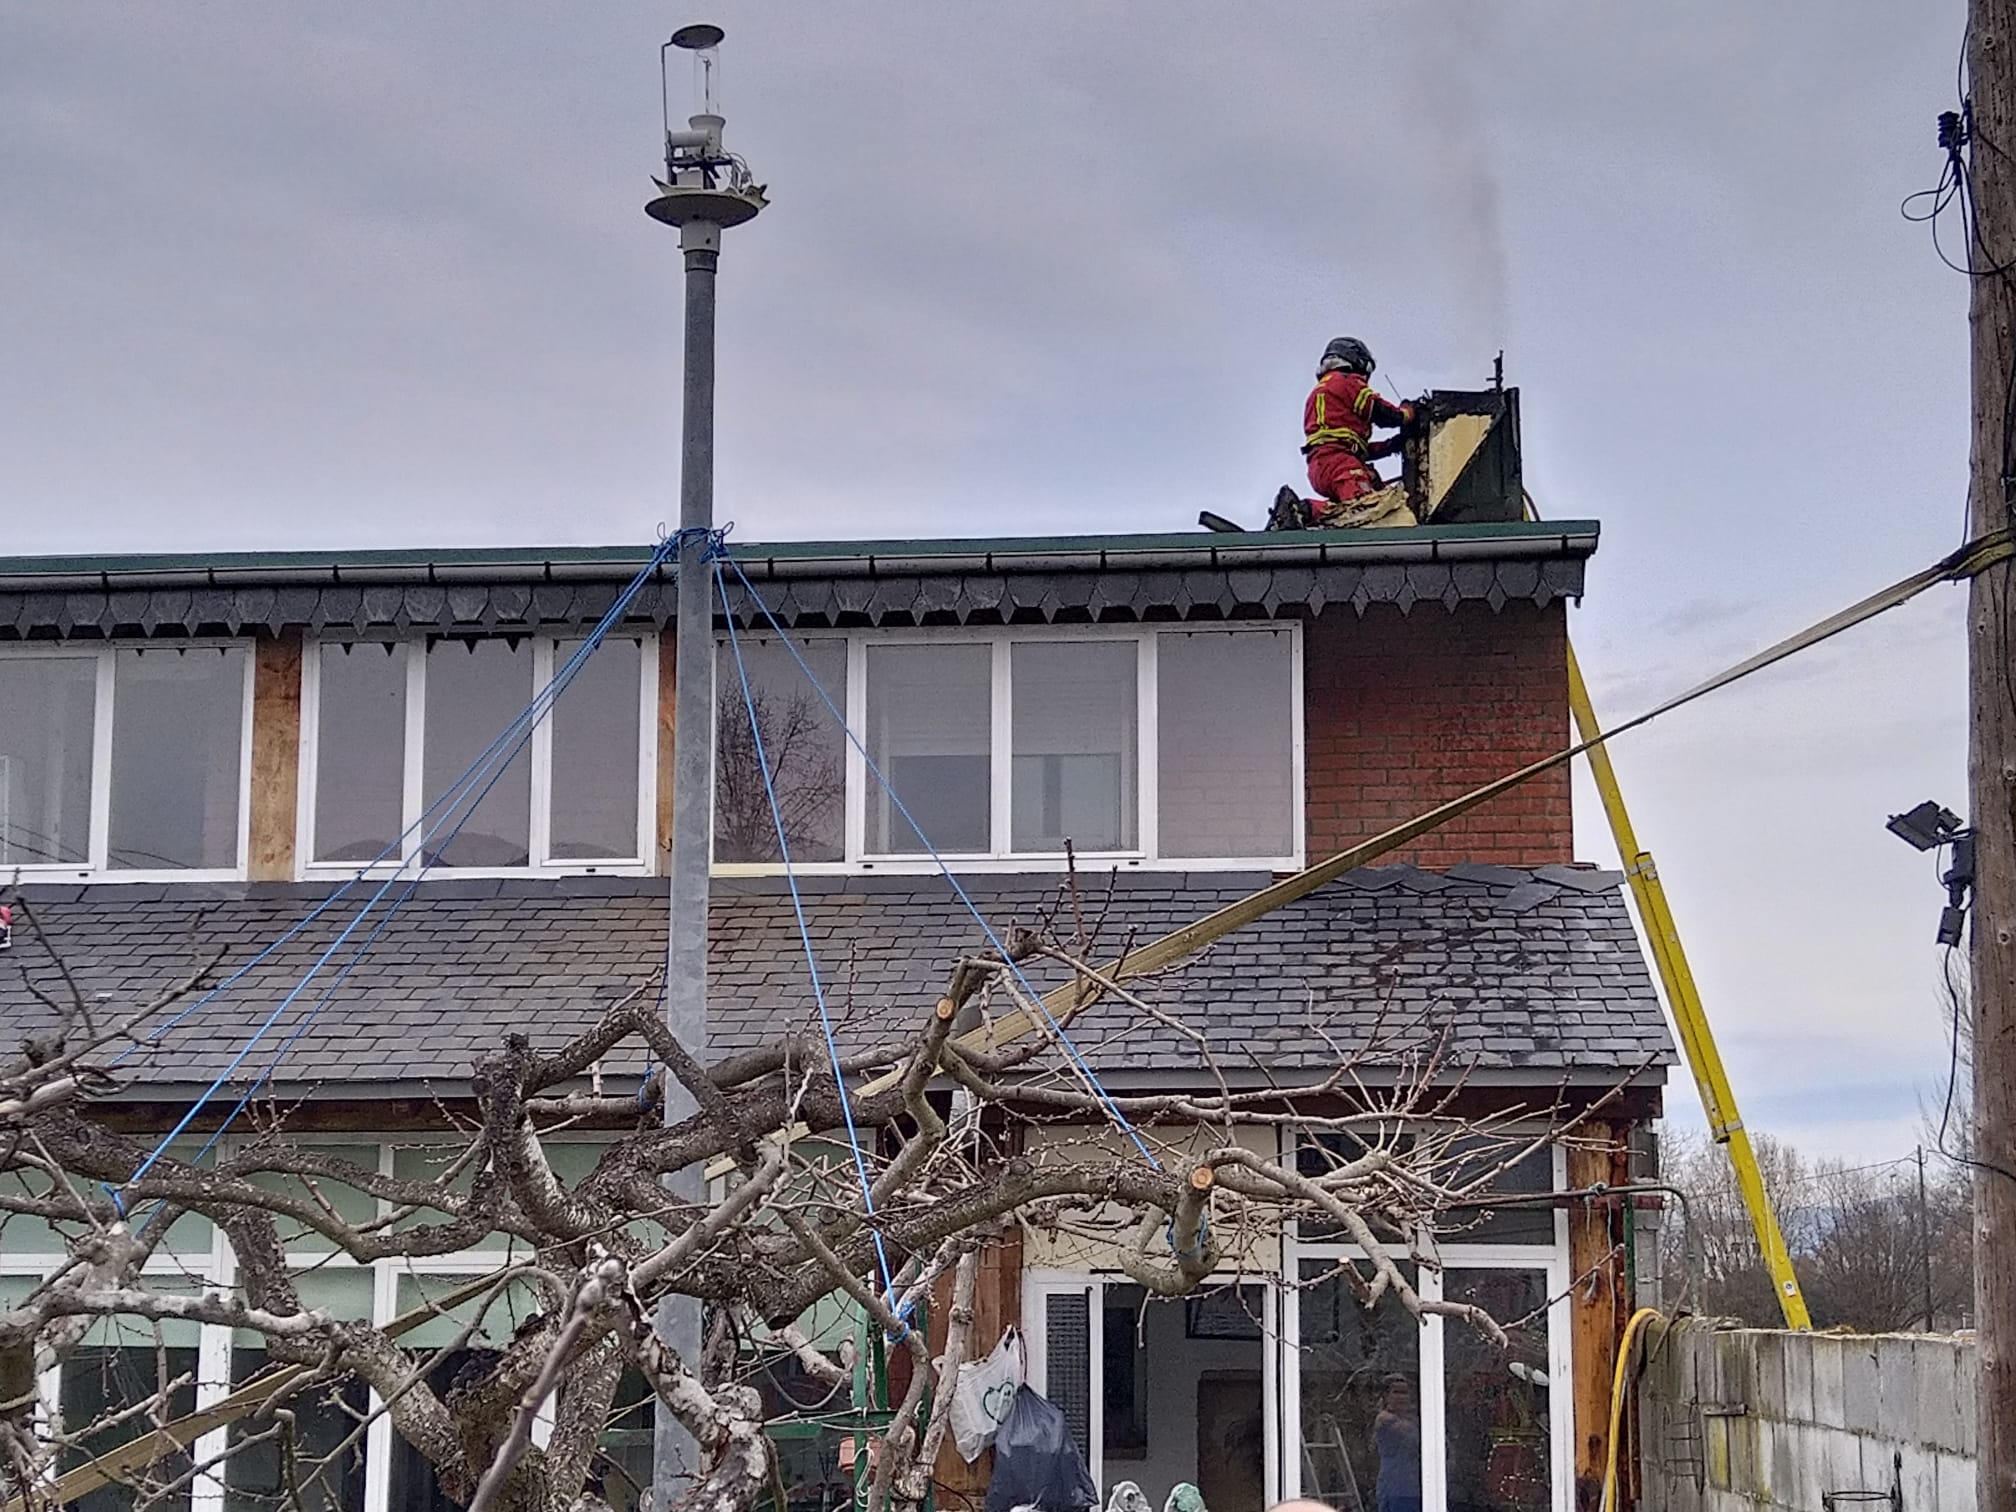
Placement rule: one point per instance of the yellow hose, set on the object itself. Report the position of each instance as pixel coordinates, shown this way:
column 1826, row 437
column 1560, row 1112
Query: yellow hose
column 1639, row 1319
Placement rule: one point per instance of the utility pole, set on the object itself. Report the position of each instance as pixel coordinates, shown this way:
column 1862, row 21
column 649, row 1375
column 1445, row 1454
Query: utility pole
column 1925, row 1238
column 1991, row 622
column 702, row 192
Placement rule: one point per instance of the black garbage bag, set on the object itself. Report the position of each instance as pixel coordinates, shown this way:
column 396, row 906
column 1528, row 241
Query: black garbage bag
column 1036, row 1464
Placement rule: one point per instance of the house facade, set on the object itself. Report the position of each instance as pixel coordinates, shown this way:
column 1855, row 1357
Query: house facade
column 196, row 754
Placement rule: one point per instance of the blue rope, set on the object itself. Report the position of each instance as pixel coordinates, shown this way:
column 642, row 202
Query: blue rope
column 396, row 848
column 507, row 746
column 805, row 936
column 1091, row 1077
column 308, row 1018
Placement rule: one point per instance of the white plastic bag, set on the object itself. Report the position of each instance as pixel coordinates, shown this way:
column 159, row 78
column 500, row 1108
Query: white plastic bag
column 983, row 1394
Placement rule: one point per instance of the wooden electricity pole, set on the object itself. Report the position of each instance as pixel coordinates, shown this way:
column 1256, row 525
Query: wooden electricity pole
column 1991, row 71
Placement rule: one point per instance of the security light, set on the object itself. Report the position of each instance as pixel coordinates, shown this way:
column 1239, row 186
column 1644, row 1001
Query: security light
column 1928, row 826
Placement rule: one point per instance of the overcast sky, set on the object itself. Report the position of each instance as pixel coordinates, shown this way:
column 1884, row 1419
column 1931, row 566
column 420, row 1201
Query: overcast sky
column 279, row 274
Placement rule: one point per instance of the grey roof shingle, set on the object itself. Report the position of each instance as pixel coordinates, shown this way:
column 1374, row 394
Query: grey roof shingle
column 1534, row 973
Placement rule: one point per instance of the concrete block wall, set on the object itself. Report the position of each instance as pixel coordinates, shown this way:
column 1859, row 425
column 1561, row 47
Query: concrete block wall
column 1742, row 1418
column 1405, row 711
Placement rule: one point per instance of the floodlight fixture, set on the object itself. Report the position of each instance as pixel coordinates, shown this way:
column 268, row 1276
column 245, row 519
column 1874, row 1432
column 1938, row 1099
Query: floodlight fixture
column 1926, row 827
column 1930, row 826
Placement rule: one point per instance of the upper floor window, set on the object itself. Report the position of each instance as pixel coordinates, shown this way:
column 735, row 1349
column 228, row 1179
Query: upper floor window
column 391, row 727
column 128, row 759
column 1139, row 746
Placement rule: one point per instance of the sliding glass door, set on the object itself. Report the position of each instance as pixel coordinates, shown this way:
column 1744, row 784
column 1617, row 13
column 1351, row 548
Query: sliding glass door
column 1160, row 1391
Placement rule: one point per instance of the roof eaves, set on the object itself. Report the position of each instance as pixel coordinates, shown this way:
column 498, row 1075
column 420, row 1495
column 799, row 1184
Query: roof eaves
column 1519, row 540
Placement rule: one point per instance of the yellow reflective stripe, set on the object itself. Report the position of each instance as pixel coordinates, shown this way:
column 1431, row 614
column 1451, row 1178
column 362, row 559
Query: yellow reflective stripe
column 1335, row 437
column 1363, row 403
column 1322, row 405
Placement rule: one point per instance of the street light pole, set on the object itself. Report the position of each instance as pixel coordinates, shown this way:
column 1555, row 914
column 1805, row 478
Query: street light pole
column 702, row 192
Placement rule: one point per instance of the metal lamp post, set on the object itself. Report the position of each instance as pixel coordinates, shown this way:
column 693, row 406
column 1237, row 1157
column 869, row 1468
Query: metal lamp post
column 704, row 190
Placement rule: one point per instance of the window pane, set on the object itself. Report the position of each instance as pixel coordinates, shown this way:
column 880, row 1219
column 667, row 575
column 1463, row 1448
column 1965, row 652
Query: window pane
column 177, row 727
column 47, row 708
column 625, row 1447
column 324, row 1192
column 1497, row 1401
column 930, row 730
column 360, row 750
column 100, row 1379
column 1318, row 1155
column 1226, row 743
column 594, row 805
column 324, row 1417
column 124, row 1362
column 1361, row 1372
column 414, row 1487
column 1123, row 1393
column 806, row 749
column 1515, row 1223
column 23, row 1233
column 475, row 689
column 1073, row 744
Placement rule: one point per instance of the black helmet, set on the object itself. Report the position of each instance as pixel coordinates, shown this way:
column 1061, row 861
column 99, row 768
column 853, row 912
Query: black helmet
column 1349, row 354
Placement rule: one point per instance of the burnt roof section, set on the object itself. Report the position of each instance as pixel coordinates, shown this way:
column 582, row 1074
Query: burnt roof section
column 1533, row 975
column 1063, row 579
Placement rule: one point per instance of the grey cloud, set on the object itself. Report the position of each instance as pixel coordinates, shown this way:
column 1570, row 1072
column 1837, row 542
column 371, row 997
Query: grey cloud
column 283, row 274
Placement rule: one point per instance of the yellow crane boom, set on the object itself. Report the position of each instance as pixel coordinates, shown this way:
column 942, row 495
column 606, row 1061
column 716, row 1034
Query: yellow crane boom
column 1683, row 998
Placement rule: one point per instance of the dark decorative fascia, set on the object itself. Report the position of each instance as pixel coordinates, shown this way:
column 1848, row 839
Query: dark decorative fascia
column 1006, row 597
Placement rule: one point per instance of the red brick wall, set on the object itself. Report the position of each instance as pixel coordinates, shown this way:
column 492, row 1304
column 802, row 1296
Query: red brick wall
column 1408, row 711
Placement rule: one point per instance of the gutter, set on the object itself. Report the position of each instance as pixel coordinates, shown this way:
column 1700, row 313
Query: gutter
column 453, row 1085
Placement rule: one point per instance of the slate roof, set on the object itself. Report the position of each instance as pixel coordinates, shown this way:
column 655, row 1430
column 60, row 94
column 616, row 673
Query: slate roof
column 1535, row 975
column 1069, row 579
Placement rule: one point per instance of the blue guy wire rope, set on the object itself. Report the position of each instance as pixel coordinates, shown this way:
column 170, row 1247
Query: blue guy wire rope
column 391, row 912
column 450, row 796
column 1113, row 1112
column 507, row 745
column 805, row 936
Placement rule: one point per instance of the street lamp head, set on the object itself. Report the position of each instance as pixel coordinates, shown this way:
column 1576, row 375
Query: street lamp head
column 698, row 37
column 705, row 187
column 1926, row 827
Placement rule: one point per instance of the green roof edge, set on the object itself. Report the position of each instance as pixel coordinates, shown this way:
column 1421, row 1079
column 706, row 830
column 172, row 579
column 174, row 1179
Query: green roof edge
column 633, row 556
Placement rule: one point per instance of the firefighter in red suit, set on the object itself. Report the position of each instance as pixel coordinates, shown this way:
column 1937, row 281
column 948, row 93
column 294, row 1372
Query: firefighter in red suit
column 1337, row 426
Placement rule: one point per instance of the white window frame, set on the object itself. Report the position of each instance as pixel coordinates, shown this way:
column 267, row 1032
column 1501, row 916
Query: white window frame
column 545, row 660
column 99, row 868
column 1145, row 856
column 1549, row 1259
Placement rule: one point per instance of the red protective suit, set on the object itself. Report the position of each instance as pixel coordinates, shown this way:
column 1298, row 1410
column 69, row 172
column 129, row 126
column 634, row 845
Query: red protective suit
column 1337, row 423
